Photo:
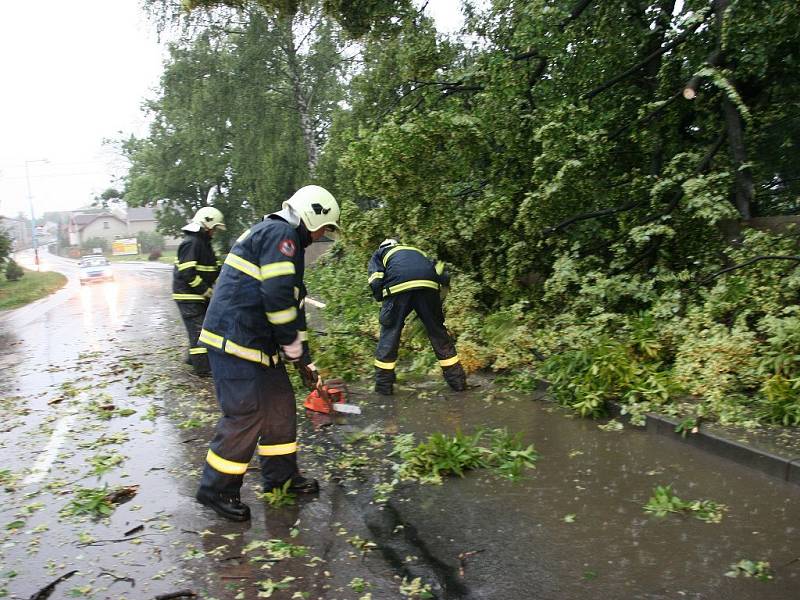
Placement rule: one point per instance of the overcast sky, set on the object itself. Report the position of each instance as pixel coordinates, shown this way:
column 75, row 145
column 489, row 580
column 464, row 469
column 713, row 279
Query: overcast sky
column 75, row 73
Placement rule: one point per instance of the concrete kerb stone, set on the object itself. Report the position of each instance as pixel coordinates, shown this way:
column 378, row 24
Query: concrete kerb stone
column 769, row 463
column 793, row 471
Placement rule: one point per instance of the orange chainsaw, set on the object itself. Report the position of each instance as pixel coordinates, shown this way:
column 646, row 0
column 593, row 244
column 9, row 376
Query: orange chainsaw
column 330, row 396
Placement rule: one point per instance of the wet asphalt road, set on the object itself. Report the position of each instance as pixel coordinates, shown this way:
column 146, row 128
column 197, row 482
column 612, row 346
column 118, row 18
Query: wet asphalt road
column 79, row 364
column 95, row 395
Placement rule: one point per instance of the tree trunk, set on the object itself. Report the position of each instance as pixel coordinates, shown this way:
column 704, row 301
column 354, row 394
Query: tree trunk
column 744, row 178
column 744, row 187
column 301, row 102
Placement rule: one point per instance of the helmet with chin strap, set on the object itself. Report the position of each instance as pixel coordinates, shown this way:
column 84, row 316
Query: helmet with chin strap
column 208, row 218
column 315, row 206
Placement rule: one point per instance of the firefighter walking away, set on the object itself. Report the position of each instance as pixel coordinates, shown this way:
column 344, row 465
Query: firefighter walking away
column 405, row 279
column 193, row 278
column 256, row 314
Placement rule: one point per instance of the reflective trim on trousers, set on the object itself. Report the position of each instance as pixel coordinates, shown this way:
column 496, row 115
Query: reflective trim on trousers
column 448, row 362
column 277, row 449
column 198, row 350
column 224, row 465
column 385, row 365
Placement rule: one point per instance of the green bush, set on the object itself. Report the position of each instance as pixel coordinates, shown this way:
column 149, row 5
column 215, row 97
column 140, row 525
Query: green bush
column 89, row 245
column 13, row 271
column 150, row 241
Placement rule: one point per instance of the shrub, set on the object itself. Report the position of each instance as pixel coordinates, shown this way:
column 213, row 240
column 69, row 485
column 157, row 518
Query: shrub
column 89, row 245
column 150, row 241
column 13, row 270
column 154, row 255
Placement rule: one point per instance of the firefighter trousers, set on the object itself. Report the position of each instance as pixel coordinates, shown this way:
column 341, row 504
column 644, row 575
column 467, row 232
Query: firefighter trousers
column 193, row 314
column 258, row 413
column 427, row 305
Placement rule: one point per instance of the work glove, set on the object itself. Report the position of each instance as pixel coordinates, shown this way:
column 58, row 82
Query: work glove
column 208, row 293
column 309, row 374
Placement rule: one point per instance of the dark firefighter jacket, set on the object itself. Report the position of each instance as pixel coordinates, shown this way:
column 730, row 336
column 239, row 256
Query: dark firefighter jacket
column 258, row 302
column 196, row 268
column 397, row 269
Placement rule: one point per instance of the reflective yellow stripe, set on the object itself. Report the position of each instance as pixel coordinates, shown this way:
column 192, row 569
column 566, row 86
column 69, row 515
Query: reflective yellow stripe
column 186, row 265
column 374, row 276
column 439, row 267
column 243, row 237
column 198, row 350
column 448, row 361
column 397, row 249
column 408, row 285
column 225, row 466
column 207, row 268
column 385, row 365
column 246, row 267
column 277, row 269
column 188, row 297
column 303, row 335
column 196, row 281
column 212, row 339
column 277, row 449
column 281, row 317
column 246, row 353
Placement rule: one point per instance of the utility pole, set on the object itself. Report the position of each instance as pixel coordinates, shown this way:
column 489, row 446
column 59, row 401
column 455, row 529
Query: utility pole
column 33, row 217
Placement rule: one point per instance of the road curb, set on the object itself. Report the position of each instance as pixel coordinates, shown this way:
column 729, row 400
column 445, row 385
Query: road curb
column 769, row 463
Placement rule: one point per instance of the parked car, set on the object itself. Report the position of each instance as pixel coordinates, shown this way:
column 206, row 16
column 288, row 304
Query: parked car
column 95, row 268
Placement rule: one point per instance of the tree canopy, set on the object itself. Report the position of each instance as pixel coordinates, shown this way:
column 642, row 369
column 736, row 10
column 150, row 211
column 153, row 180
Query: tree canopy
column 590, row 169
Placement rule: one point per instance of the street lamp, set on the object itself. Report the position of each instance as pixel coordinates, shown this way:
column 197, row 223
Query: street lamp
column 30, row 202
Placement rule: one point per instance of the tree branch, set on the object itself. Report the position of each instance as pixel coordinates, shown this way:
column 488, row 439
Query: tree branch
column 644, row 62
column 747, row 263
column 645, row 119
column 590, row 215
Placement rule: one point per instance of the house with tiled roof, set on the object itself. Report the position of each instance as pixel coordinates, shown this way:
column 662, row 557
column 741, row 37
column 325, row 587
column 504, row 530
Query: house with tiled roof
column 102, row 224
column 113, row 225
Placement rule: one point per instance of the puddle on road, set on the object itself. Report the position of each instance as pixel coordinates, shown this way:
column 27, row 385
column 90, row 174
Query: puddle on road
column 576, row 527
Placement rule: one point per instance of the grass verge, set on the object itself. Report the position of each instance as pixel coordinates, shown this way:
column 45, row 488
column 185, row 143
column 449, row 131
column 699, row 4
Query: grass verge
column 32, row 286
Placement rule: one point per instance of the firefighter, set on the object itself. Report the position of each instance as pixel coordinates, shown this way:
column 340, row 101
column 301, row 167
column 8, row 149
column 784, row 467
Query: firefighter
column 256, row 314
column 405, row 279
column 193, row 278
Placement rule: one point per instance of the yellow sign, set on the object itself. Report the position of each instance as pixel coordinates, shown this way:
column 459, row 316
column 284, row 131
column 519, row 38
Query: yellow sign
column 126, row 246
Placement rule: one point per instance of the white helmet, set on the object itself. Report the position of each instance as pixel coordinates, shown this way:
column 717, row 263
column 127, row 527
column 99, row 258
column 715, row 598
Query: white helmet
column 207, row 217
column 315, row 206
column 388, row 242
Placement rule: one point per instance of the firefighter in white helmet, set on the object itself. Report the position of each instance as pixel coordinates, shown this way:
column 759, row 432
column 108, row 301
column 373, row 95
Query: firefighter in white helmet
column 256, row 314
column 403, row 278
column 193, row 278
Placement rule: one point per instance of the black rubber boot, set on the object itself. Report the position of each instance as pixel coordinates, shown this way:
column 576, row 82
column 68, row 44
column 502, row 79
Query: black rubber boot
column 229, row 507
column 384, row 381
column 298, row 485
column 455, row 377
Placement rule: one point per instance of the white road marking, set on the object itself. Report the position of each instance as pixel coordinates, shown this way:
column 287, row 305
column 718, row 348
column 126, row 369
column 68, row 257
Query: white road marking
column 48, row 456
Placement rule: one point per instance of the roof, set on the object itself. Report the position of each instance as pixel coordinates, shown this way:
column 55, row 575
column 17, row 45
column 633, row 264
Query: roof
column 141, row 213
column 82, row 220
